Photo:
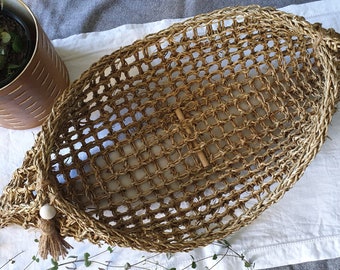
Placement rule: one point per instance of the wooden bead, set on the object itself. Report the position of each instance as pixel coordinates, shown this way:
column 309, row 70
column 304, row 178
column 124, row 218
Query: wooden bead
column 47, row 211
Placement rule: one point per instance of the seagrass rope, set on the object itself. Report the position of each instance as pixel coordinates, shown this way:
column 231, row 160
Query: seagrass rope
column 182, row 137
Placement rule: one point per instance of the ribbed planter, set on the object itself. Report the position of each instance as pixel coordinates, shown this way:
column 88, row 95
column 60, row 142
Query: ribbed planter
column 27, row 99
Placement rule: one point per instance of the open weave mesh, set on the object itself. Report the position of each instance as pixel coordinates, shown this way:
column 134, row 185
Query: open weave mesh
column 185, row 136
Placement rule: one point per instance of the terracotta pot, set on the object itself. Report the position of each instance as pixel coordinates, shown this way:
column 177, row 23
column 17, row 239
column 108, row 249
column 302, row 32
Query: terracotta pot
column 27, row 100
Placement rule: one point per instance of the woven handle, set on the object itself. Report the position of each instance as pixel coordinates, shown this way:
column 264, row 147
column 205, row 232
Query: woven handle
column 328, row 43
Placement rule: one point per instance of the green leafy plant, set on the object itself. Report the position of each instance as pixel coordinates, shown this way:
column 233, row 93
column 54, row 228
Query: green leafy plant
column 13, row 46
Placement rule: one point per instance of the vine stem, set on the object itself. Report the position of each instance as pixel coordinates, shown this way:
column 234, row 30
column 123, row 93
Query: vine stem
column 218, row 261
column 208, row 257
column 135, row 265
column 151, row 260
column 11, row 259
column 225, row 244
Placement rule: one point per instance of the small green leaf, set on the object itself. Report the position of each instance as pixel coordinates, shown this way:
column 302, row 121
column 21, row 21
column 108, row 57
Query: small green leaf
column 87, row 262
column 5, row 37
column 225, row 243
column 12, row 66
column 247, row 264
column 36, row 240
column 72, row 257
column 169, row 255
column 173, row 268
column 18, row 44
column 193, row 265
column 110, row 249
column 214, row 257
column 54, row 262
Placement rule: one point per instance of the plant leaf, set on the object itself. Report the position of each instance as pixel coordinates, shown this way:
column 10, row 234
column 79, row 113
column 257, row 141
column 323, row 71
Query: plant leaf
column 18, row 44
column 193, row 265
column 72, row 257
column 5, row 37
column 225, row 243
column 12, row 66
column 169, row 255
column 247, row 264
column 54, row 262
column 87, row 262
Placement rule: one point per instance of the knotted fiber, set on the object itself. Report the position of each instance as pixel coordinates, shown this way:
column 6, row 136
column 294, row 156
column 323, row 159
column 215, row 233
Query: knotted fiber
column 184, row 136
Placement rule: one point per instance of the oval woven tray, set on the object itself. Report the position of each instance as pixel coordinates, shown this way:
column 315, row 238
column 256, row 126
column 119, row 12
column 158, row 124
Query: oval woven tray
column 183, row 137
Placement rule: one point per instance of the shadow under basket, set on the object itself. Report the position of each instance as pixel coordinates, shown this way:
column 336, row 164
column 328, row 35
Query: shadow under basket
column 183, row 137
column 27, row 99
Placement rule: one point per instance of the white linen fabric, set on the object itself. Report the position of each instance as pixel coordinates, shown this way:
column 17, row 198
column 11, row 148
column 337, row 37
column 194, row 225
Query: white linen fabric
column 303, row 226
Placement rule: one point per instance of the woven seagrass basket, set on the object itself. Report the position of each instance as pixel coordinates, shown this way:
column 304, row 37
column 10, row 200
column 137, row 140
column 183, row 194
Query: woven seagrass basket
column 183, row 137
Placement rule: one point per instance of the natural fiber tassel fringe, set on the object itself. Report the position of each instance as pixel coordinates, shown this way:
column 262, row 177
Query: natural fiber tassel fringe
column 51, row 242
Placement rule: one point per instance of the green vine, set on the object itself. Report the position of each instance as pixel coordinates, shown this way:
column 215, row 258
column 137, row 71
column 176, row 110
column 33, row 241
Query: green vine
column 145, row 263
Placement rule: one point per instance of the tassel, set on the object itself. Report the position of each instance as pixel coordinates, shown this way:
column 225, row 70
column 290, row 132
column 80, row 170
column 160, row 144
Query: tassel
column 51, row 242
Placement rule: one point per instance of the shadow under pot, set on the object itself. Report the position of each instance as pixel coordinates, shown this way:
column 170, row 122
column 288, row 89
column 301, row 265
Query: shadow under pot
column 32, row 75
